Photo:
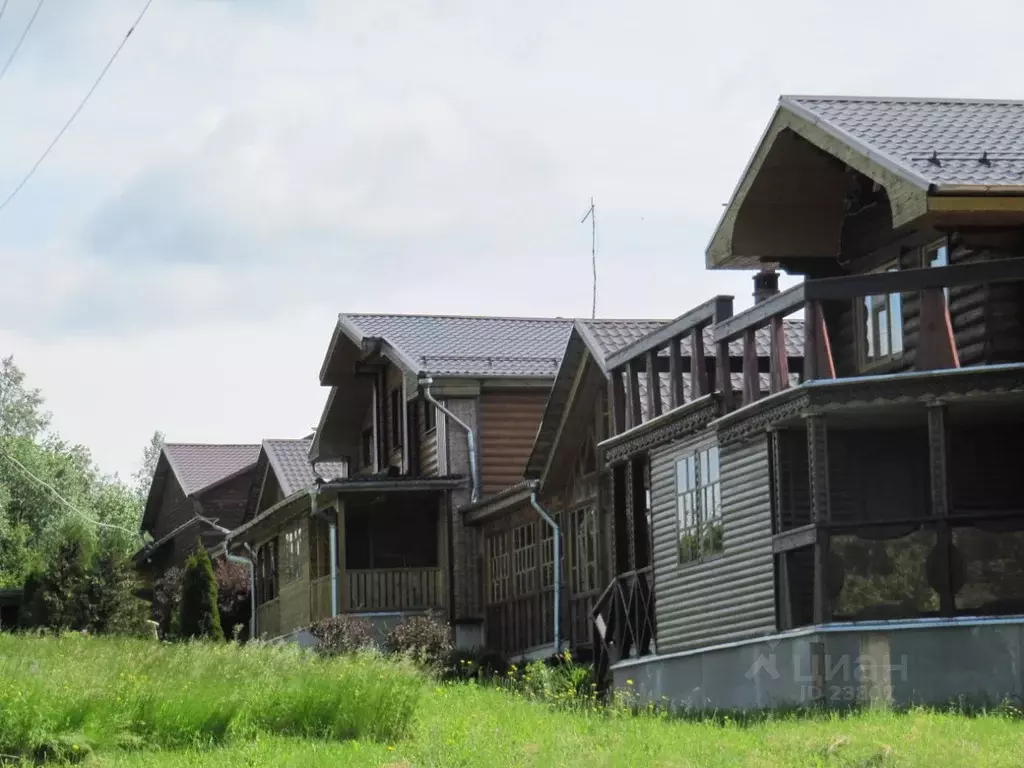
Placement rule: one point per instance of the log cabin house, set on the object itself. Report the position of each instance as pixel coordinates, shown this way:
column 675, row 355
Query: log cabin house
column 565, row 480
column 192, row 478
column 423, row 415
column 856, row 535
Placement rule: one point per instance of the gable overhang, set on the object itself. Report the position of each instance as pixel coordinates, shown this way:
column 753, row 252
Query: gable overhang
column 349, row 345
column 156, row 492
column 790, row 200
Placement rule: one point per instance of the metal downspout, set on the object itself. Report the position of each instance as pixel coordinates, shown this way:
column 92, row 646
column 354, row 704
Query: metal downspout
column 557, row 567
column 332, row 527
column 474, row 466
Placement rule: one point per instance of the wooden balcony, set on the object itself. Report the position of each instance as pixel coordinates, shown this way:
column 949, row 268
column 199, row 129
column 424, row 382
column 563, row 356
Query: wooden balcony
column 393, row 589
column 660, row 352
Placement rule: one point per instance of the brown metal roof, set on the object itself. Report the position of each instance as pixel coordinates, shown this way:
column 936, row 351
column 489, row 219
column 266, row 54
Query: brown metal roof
column 198, row 466
column 292, row 467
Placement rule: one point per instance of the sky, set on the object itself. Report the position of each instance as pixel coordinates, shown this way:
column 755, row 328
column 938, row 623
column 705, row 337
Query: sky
column 248, row 169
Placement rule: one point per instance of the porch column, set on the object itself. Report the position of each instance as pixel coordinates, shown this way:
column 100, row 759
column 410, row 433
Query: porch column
column 817, row 464
column 342, row 585
column 938, row 468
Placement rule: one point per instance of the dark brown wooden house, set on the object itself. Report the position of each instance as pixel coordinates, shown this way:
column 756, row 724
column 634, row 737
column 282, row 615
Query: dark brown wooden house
column 856, row 535
column 423, row 414
column 567, row 479
column 193, row 478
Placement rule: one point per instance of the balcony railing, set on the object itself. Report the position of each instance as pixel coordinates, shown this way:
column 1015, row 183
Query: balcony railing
column 393, row 589
column 623, row 620
column 935, row 348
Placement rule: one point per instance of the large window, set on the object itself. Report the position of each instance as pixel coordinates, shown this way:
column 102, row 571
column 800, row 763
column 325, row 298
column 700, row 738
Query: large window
column 498, row 568
column 524, row 559
column 699, row 505
column 291, row 558
column 584, row 561
column 266, row 572
column 883, row 326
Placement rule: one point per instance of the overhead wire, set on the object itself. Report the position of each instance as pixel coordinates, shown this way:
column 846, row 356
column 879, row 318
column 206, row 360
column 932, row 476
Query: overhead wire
column 2, row 9
column 24, row 34
column 28, row 473
column 81, row 106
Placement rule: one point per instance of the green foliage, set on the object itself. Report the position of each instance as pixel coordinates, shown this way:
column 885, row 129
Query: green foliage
column 86, row 584
column 123, row 693
column 425, row 638
column 342, row 634
column 33, row 517
column 167, row 601
column 200, row 612
column 233, row 596
column 143, row 477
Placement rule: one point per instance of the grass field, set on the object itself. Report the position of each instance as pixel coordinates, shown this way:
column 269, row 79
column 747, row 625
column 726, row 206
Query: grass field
column 135, row 704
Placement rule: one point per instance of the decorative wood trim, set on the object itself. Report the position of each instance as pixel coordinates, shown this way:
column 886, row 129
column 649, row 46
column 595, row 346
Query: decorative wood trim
column 684, row 421
column 817, row 460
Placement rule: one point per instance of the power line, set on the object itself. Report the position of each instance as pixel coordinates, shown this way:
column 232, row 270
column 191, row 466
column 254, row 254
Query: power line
column 99, row 523
column 24, row 34
column 74, row 114
column 2, row 9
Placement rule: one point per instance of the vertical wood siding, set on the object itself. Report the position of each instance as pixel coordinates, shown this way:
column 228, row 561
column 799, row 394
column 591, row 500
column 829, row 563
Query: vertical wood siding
column 730, row 596
column 508, row 427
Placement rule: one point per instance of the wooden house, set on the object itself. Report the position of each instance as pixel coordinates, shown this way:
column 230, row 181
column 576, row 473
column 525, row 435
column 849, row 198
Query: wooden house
column 192, row 479
column 566, row 480
column 424, row 414
column 856, row 535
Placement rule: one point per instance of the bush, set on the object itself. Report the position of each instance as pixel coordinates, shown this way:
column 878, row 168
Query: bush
column 167, row 600
column 200, row 614
column 475, row 665
column 426, row 639
column 233, row 596
column 342, row 634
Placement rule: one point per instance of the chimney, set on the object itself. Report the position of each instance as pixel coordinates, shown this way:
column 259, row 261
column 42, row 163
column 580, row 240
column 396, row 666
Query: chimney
column 766, row 285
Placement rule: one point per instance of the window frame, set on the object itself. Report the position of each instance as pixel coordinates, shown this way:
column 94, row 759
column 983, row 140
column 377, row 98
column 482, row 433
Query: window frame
column 524, row 559
column 583, row 574
column 869, row 307
column 703, row 492
column 499, row 581
column 936, row 246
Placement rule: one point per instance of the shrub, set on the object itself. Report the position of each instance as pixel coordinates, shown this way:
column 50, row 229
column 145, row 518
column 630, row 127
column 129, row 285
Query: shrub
column 342, row 634
column 233, row 597
column 167, row 600
column 200, row 615
column 426, row 638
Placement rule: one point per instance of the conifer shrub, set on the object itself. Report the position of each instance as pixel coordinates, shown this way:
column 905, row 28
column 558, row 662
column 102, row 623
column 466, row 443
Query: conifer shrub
column 200, row 613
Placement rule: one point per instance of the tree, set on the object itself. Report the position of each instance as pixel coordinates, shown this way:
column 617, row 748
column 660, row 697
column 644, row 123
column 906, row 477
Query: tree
column 200, row 614
column 143, row 478
column 233, row 595
column 21, row 408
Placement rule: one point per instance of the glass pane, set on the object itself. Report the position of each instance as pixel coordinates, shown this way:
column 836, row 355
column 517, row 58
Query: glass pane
column 990, row 565
column 883, row 333
column 882, row 578
column 712, row 473
column 939, row 257
column 896, row 337
column 869, row 331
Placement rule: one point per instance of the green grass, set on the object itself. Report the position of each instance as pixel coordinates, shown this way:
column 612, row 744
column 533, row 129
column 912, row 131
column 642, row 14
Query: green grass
column 450, row 725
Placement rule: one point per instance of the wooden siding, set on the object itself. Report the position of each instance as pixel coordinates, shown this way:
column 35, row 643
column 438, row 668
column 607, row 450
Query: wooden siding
column 174, row 509
column 508, row 427
column 731, row 596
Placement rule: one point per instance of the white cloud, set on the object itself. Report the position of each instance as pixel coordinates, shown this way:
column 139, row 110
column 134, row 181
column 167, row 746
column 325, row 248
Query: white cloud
column 248, row 169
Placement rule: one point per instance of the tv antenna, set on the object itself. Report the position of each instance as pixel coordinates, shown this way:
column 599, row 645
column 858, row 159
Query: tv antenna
column 592, row 215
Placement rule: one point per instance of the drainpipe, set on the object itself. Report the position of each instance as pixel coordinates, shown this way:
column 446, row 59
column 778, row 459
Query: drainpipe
column 557, row 532
column 474, row 468
column 332, row 526
column 249, row 562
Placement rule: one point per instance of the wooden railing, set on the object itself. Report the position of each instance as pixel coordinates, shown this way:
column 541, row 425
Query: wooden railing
column 624, row 620
column 394, row 589
column 936, row 346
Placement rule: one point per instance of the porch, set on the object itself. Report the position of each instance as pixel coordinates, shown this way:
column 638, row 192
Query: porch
column 389, row 557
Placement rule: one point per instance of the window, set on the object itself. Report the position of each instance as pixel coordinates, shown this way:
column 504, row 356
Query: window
column 367, row 447
column 937, row 255
column 584, row 561
column 699, row 505
column 291, row 559
column 429, row 416
column 396, row 419
column 883, row 326
column 497, row 568
column 266, row 572
column 547, row 556
column 524, row 559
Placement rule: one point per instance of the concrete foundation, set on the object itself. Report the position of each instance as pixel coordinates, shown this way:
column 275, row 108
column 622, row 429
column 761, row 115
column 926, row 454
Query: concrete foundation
column 935, row 662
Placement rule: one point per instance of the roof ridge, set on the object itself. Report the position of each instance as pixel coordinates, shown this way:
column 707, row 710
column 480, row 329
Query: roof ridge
column 899, row 99
column 414, row 315
column 213, row 445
